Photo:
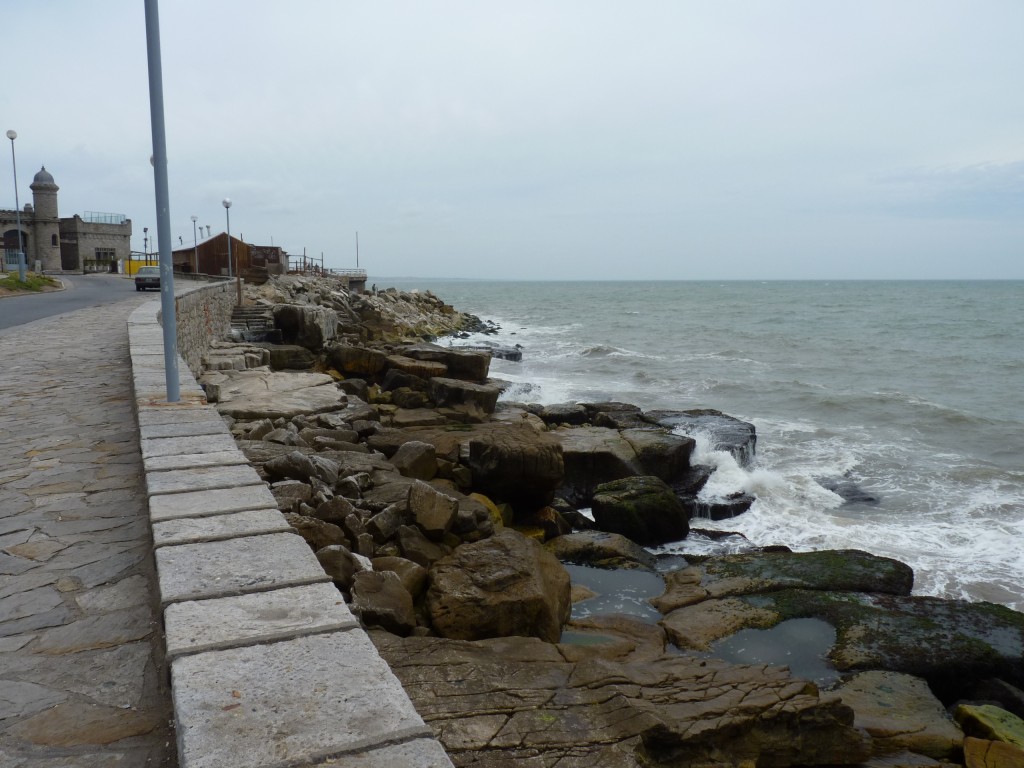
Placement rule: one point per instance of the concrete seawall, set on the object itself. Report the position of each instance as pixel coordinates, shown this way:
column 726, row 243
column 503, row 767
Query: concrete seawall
column 269, row 669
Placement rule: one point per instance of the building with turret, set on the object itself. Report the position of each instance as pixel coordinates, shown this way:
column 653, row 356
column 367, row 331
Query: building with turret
column 93, row 242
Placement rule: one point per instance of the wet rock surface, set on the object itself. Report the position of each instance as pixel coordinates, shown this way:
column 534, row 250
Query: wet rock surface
column 518, row 701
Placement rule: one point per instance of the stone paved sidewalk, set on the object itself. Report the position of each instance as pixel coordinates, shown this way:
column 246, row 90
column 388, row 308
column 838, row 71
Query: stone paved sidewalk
column 83, row 683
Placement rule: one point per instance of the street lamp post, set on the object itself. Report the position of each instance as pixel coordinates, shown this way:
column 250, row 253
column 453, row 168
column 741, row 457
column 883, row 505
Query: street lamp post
column 145, row 244
column 12, row 135
column 195, row 241
column 226, row 202
column 238, row 277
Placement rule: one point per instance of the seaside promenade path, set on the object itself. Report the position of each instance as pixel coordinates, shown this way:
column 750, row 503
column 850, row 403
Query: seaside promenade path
column 83, row 683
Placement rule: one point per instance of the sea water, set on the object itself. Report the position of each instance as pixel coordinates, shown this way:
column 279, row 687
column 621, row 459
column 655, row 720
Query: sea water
column 911, row 392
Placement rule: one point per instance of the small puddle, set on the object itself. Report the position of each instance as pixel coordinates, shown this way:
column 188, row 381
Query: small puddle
column 619, row 592
column 800, row 644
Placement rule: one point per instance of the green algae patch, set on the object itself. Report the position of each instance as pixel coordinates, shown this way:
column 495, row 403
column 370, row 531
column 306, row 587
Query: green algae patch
column 846, row 570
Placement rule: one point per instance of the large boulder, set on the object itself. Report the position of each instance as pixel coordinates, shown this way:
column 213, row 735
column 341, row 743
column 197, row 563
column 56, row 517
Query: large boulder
column 307, row 325
column 476, row 400
column 901, row 714
column 564, row 413
column 504, row 585
column 289, row 357
column 600, row 549
column 380, row 599
column 661, row 453
column 433, row 511
column 516, row 464
column 356, row 361
column 416, row 460
column 724, row 433
column 846, row 570
column 423, row 369
column 317, row 533
column 644, row 509
column 471, row 365
column 592, row 456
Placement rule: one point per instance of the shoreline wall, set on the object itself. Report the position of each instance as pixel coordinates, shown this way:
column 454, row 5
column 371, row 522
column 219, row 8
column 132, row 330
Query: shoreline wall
column 268, row 666
column 203, row 314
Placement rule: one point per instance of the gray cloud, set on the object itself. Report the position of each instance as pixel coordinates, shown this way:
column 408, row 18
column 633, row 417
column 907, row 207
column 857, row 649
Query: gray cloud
column 571, row 139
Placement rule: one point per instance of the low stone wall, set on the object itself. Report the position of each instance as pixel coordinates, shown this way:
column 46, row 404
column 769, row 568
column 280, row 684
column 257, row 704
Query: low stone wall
column 203, row 313
column 269, row 668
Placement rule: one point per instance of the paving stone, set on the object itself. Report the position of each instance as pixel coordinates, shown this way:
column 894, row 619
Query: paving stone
column 51, row 618
column 181, row 429
column 15, row 537
column 101, row 631
column 10, row 644
column 200, row 479
column 176, row 413
column 235, row 566
column 30, row 603
column 175, row 446
column 418, row 753
column 126, row 593
column 192, row 460
column 74, row 723
column 248, row 707
column 172, row 506
column 116, row 677
column 189, row 530
column 202, row 625
column 15, row 566
column 18, row 698
column 40, row 549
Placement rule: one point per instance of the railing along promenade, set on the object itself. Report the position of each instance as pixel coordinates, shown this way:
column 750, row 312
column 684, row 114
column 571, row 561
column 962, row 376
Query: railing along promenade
column 269, row 669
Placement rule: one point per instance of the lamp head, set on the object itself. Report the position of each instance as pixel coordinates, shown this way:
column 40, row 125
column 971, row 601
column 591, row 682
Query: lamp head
column 226, row 202
column 12, row 135
column 195, row 219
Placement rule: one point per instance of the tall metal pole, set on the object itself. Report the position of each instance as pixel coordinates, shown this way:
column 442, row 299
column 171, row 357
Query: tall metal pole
column 195, row 242
column 226, row 202
column 163, row 211
column 12, row 135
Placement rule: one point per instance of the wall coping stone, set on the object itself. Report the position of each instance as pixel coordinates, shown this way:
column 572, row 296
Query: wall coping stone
column 269, row 668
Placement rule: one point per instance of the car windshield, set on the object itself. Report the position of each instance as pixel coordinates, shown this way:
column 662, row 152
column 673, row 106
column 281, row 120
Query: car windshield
column 149, row 271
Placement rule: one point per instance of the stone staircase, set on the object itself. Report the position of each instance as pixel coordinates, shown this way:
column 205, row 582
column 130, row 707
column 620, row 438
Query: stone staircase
column 254, row 324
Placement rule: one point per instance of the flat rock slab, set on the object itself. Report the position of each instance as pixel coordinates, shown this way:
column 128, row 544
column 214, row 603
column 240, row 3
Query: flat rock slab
column 190, row 530
column 518, row 701
column 235, row 567
column 901, row 713
column 200, row 479
column 172, row 506
column 255, row 394
column 281, row 614
column 231, row 703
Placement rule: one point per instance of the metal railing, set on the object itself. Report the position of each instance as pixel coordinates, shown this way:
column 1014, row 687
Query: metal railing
column 95, row 217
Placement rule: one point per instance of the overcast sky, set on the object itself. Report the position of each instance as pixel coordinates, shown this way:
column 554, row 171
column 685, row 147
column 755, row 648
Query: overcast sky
column 558, row 139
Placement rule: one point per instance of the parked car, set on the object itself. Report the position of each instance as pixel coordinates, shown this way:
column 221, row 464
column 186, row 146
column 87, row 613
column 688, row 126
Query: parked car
column 147, row 277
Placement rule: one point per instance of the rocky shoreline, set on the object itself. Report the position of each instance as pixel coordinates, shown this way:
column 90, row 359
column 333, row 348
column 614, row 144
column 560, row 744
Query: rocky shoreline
column 450, row 521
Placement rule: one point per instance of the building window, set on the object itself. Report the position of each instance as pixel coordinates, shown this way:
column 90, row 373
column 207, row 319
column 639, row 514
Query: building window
column 104, row 255
column 53, row 240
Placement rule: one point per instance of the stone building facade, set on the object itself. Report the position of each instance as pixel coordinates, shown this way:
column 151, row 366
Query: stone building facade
column 95, row 242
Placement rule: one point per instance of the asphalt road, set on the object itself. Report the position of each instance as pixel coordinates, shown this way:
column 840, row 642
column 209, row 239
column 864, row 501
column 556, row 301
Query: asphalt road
column 81, row 291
